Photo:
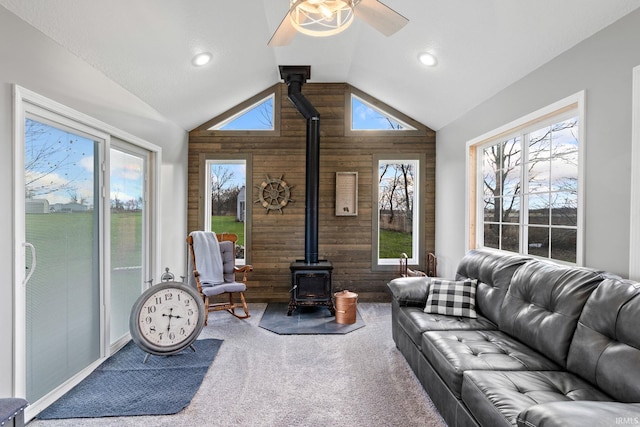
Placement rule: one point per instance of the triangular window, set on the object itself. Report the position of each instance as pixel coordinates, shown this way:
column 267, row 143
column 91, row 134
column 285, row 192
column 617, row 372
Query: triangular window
column 257, row 116
column 365, row 116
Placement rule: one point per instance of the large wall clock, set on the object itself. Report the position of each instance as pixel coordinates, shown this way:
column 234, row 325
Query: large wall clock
column 167, row 318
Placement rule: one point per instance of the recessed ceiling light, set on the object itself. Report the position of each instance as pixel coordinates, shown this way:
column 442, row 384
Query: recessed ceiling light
column 427, row 59
column 201, row 59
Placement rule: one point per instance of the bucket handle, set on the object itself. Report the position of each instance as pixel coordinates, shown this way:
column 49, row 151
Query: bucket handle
column 344, row 311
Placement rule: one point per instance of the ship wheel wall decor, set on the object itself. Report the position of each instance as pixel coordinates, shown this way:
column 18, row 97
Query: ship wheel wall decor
column 274, row 194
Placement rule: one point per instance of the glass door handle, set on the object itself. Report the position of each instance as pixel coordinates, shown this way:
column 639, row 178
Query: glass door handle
column 33, row 262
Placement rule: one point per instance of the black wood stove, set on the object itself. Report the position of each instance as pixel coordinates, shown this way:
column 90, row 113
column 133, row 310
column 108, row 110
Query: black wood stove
column 311, row 285
column 310, row 278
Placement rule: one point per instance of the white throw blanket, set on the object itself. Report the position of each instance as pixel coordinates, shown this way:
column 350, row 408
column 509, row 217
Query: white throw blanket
column 208, row 258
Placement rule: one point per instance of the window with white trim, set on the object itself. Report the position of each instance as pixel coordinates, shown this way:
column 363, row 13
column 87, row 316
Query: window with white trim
column 526, row 185
column 365, row 116
column 255, row 117
column 396, row 228
column 225, row 201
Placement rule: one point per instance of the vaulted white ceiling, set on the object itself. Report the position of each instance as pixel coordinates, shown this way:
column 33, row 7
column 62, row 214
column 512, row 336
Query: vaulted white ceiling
column 482, row 46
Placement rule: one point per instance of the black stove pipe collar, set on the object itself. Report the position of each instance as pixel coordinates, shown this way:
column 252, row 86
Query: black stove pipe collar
column 302, row 104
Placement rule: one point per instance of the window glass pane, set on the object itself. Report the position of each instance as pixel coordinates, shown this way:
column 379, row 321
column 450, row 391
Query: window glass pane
column 511, row 163
column 563, row 244
column 492, row 169
column 257, row 117
column 365, row 116
column 539, row 177
column 489, row 179
column 511, row 238
column 492, row 236
column 564, row 138
column 511, row 181
column 511, row 209
column 227, row 183
column 564, row 174
column 490, row 210
column 540, row 144
column 539, row 209
column 127, row 225
column 539, row 241
column 62, row 223
column 396, row 193
column 564, row 208
column 513, row 151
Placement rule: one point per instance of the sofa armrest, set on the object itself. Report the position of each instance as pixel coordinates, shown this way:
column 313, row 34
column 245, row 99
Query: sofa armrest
column 580, row 413
column 410, row 291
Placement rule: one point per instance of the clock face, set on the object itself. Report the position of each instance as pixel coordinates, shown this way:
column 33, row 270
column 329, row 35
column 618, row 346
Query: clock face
column 167, row 318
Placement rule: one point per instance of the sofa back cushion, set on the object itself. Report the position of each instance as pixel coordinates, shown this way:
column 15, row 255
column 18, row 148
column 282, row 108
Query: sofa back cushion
column 493, row 272
column 606, row 346
column 543, row 304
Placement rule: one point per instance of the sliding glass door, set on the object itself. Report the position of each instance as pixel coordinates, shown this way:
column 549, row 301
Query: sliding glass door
column 85, row 243
column 62, row 226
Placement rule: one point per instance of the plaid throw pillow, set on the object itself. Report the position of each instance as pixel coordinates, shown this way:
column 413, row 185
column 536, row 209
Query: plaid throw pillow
column 452, row 298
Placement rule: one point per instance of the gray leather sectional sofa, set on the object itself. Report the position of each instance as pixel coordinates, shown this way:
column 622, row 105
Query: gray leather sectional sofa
column 551, row 345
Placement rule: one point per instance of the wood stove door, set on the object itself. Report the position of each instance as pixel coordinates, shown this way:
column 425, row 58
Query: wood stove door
column 312, row 286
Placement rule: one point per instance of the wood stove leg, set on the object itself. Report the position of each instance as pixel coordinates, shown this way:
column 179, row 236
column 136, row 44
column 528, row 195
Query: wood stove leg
column 292, row 306
column 331, row 308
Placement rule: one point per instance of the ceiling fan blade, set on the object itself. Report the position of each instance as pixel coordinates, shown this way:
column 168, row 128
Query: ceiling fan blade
column 380, row 16
column 284, row 34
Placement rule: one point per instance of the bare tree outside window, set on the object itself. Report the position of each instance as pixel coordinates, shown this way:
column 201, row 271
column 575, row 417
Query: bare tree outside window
column 223, row 190
column 264, row 114
column 227, row 185
column 51, row 163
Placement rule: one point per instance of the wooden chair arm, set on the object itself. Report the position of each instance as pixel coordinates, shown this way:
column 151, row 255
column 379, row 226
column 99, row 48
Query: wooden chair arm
column 244, row 269
column 196, row 275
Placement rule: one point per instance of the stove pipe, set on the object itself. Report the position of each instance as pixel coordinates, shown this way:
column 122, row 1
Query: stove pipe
column 295, row 77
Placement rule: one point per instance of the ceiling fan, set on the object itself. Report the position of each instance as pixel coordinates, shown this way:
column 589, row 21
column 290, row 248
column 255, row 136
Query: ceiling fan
column 321, row 18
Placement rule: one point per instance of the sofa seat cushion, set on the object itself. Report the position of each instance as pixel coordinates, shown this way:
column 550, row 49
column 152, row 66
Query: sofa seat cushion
column 451, row 353
column 497, row 398
column 223, row 287
column 580, row 413
column 415, row 322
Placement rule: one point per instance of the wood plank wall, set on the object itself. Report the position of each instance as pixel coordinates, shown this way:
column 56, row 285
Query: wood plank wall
column 278, row 239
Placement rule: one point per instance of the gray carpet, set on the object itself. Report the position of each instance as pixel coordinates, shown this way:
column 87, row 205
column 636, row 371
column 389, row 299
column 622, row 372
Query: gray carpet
column 304, row 320
column 260, row 378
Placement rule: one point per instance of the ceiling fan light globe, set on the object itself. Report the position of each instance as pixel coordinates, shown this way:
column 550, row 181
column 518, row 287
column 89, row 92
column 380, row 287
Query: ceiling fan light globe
column 326, row 12
column 321, row 18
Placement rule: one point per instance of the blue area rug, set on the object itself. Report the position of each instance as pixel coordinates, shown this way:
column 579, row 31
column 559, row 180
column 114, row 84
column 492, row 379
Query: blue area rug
column 124, row 386
column 304, row 321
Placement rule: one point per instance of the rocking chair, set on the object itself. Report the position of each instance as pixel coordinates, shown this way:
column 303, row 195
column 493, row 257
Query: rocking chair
column 212, row 261
column 432, row 267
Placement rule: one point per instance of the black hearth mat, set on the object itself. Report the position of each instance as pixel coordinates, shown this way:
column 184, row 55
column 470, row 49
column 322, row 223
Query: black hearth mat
column 304, row 321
